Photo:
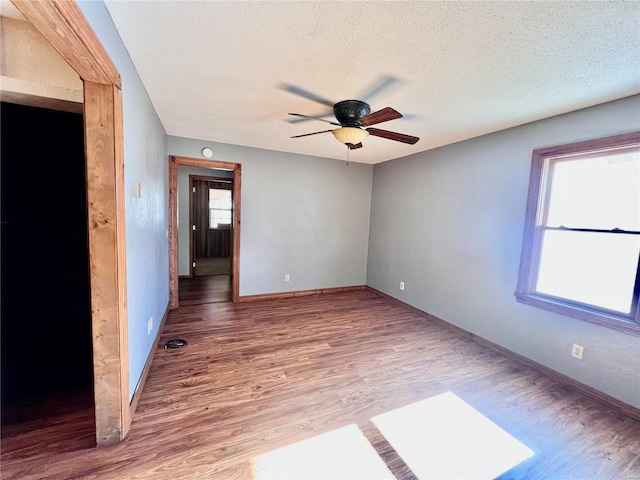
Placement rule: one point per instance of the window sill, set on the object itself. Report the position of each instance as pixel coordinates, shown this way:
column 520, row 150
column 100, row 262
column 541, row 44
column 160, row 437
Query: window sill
column 580, row 312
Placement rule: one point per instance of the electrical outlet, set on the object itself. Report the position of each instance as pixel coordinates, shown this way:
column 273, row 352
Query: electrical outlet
column 287, row 277
column 149, row 326
column 577, row 351
column 401, row 285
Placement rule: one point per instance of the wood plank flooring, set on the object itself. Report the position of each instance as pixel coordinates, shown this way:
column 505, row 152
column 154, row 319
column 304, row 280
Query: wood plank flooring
column 261, row 375
column 205, row 289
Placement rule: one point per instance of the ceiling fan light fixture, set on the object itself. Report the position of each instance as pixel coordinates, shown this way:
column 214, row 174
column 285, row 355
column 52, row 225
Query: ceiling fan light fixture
column 350, row 135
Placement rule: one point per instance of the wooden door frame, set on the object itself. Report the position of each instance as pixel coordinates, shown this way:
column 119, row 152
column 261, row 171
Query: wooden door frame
column 63, row 24
column 192, row 243
column 236, row 168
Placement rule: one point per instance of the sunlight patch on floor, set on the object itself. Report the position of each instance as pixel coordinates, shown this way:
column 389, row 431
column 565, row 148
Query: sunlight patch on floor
column 344, row 453
column 445, row 438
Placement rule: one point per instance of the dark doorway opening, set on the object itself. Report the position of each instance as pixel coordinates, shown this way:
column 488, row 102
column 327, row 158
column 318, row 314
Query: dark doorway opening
column 210, row 248
column 47, row 365
column 212, row 220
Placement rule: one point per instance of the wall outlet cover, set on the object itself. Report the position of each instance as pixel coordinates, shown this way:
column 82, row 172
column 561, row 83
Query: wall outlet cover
column 577, row 351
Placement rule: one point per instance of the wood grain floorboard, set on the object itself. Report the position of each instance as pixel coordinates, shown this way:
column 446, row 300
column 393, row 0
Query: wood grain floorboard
column 261, row 375
column 204, row 289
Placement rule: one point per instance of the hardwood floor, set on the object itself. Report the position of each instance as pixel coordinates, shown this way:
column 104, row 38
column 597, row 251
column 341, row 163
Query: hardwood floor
column 205, row 289
column 261, row 375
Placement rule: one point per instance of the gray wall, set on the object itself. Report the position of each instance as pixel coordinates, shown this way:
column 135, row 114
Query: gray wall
column 449, row 223
column 145, row 154
column 183, row 210
column 301, row 215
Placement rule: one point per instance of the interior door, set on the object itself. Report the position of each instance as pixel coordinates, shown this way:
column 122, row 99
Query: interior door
column 211, row 229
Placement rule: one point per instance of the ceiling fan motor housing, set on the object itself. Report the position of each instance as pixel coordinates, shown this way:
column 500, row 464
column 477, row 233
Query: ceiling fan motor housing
column 349, row 112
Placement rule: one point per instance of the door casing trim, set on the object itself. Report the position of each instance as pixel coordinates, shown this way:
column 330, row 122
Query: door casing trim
column 236, row 168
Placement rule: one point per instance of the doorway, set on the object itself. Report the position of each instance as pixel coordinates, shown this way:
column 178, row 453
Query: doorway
column 179, row 242
column 210, row 236
column 211, row 213
column 46, row 342
column 65, row 27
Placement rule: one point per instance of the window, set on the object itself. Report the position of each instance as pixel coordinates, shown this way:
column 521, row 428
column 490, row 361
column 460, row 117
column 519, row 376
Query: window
column 219, row 208
column 581, row 246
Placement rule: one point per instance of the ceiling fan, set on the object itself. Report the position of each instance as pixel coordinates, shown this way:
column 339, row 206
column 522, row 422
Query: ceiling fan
column 354, row 117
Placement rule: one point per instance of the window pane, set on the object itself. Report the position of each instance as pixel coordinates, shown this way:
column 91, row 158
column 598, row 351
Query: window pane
column 219, row 198
column 594, row 268
column 598, row 193
column 218, row 218
column 223, row 216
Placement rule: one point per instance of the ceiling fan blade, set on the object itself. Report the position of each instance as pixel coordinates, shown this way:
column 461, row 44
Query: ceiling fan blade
column 314, row 118
column 313, row 133
column 304, row 119
column 398, row 137
column 380, row 116
column 382, row 83
column 306, row 94
column 353, row 147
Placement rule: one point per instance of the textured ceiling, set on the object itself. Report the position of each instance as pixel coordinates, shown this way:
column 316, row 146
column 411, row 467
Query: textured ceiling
column 216, row 70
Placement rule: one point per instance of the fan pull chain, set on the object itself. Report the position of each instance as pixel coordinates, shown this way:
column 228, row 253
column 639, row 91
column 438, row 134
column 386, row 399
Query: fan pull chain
column 348, row 149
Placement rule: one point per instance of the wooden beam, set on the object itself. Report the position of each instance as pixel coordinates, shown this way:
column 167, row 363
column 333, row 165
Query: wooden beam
column 107, row 266
column 62, row 23
column 235, row 260
column 121, row 258
column 173, row 235
column 198, row 162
